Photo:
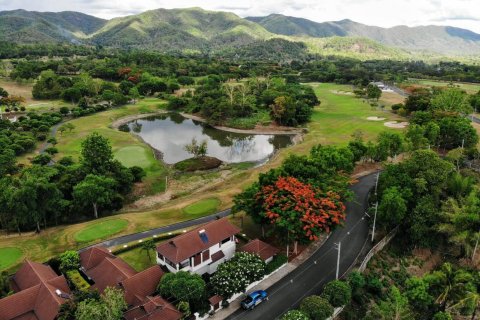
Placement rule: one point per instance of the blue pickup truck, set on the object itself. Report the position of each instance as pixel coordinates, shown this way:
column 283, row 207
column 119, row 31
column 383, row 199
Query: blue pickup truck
column 254, row 299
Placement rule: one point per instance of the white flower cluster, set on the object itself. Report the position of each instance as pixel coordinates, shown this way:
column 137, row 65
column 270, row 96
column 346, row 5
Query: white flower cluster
column 235, row 275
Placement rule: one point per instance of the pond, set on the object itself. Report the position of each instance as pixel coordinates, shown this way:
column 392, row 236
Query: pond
column 169, row 133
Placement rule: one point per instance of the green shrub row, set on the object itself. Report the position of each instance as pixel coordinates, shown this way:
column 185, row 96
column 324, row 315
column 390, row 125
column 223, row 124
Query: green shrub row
column 276, row 263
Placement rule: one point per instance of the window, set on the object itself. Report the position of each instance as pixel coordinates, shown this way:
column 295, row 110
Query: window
column 206, row 255
column 225, row 240
column 160, row 257
column 185, row 263
column 197, row 259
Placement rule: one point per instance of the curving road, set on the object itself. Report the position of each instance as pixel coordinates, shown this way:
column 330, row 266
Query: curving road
column 320, row 268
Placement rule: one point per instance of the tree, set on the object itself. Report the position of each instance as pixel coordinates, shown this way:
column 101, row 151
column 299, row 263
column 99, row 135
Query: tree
column 417, row 293
column 442, row 316
column 110, row 306
column 5, row 289
column 316, row 308
column 294, row 315
column 69, row 260
column 457, row 132
column 450, row 286
column 134, row 94
column 419, row 100
column 389, row 144
column 392, row 208
column 94, row 190
column 183, row 286
column 299, row 211
column 395, row 306
column 237, row 273
column 452, row 100
column 184, row 308
column 337, row 293
column 96, row 153
column 373, row 91
column 148, row 246
column 198, row 150
column 8, row 162
column 42, row 159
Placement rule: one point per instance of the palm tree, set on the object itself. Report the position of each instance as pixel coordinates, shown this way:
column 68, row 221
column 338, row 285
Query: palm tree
column 147, row 246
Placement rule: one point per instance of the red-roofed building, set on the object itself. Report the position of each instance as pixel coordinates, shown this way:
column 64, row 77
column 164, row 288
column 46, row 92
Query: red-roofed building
column 264, row 250
column 153, row 308
column 200, row 250
column 39, row 294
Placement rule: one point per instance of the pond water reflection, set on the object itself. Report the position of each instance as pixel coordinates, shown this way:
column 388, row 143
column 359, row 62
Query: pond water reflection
column 169, row 134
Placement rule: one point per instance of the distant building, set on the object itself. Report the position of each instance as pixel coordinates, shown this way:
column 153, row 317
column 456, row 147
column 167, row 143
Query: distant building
column 39, row 293
column 260, row 248
column 200, row 250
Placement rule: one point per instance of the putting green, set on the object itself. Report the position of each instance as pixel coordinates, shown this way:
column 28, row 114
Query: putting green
column 134, row 156
column 9, row 256
column 202, row 207
column 100, row 230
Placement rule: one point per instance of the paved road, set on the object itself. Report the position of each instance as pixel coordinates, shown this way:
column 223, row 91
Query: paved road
column 150, row 233
column 310, row 277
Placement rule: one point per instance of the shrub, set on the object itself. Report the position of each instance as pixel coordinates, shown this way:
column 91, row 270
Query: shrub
column 69, row 260
column 137, row 173
column 316, row 308
column 183, row 286
column 397, row 106
column 294, row 315
column 236, row 274
column 356, row 281
column 77, row 281
column 277, row 261
column 42, row 159
column 338, row 293
column 124, row 128
column 442, row 316
column 51, row 150
column 66, row 161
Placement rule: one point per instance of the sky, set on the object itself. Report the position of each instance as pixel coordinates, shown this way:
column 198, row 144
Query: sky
column 385, row 13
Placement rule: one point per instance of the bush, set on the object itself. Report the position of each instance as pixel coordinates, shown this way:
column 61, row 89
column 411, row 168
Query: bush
column 64, row 110
column 183, row 286
column 338, row 293
column 294, row 315
column 66, row 161
column 42, row 159
column 69, row 260
column 442, row 316
column 277, row 261
column 124, row 128
column 356, row 281
column 137, row 173
column 316, row 308
column 51, row 150
column 397, row 106
column 77, row 281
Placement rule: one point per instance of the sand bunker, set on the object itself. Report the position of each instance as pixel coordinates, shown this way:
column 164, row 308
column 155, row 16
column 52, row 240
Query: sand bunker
column 346, row 93
column 396, row 124
column 375, row 119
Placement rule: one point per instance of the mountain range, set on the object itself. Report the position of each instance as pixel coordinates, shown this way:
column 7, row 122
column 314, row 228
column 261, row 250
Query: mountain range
column 198, row 30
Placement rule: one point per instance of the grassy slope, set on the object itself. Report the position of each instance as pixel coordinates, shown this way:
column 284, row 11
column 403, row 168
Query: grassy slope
column 100, row 230
column 202, row 207
column 9, row 257
column 126, row 147
column 470, row 88
column 332, row 123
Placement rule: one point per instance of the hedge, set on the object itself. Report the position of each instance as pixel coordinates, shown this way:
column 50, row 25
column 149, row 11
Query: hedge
column 276, row 263
column 77, row 281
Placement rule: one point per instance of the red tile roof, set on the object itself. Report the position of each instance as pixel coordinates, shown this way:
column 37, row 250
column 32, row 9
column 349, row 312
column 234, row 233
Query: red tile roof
column 264, row 250
column 141, row 285
column 215, row 299
column 110, row 273
column 186, row 245
column 153, row 308
column 38, row 299
column 92, row 257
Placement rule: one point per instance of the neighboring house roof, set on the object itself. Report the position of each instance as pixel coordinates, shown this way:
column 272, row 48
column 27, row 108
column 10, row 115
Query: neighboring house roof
column 141, row 285
column 107, row 270
column 264, row 250
column 36, row 298
column 153, row 308
column 110, row 273
column 215, row 299
column 186, row 245
column 92, row 257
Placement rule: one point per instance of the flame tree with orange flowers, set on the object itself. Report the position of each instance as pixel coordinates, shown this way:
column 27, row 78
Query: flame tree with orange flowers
column 300, row 211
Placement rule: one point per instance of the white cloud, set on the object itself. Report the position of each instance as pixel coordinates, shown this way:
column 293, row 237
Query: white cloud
column 386, row 13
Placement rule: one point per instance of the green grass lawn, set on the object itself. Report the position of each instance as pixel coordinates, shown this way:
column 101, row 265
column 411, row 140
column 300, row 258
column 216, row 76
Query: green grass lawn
column 202, row 207
column 9, row 256
column 340, row 114
column 470, row 88
column 138, row 258
column 135, row 155
column 101, row 230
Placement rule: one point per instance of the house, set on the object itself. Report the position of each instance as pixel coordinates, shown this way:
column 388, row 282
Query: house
column 39, row 293
column 104, row 269
column 200, row 250
column 153, row 308
column 262, row 249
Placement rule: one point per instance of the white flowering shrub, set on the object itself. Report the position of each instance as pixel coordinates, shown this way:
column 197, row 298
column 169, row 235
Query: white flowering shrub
column 236, row 274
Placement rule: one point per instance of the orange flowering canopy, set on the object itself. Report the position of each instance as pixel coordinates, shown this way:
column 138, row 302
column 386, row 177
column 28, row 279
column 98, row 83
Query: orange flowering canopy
column 300, row 209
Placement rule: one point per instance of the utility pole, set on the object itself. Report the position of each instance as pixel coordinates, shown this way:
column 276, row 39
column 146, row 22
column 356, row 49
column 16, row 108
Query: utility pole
column 374, row 221
column 338, row 247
